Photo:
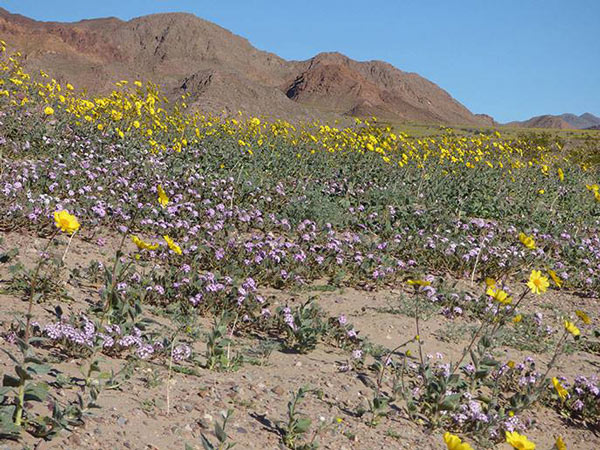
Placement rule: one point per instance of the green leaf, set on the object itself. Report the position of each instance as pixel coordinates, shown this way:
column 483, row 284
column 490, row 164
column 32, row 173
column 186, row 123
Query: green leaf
column 450, row 403
column 482, row 373
column 220, row 433
column 38, row 369
column 489, row 362
column 7, row 412
column 23, row 375
column 303, row 424
column 10, row 381
column 5, row 390
column 37, row 392
column 11, row 356
column 206, row 443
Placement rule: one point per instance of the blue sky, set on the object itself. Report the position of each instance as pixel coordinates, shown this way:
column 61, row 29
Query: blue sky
column 510, row 59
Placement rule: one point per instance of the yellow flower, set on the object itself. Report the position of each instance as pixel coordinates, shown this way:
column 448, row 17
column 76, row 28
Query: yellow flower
column 527, row 241
column 66, row 222
column 453, row 442
column 519, row 441
column 560, row 390
column 502, row 297
column 142, row 245
column 48, row 110
column 560, row 444
column 541, row 192
column 537, row 283
column 561, row 174
column 583, row 316
column 593, row 187
column 162, row 196
column 555, row 278
column 511, row 364
column 172, row 245
column 499, row 295
column 418, row 282
column 517, row 318
column 571, row 328
column 490, row 282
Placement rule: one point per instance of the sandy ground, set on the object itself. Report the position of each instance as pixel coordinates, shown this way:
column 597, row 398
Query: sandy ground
column 158, row 409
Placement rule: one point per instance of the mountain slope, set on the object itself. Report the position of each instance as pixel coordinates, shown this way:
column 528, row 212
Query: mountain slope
column 224, row 72
column 563, row 121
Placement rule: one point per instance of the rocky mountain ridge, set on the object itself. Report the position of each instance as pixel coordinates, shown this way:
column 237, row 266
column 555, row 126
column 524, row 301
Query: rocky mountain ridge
column 224, row 73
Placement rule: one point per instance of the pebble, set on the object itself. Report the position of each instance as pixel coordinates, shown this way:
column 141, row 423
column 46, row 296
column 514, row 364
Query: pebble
column 278, row 390
column 122, row 421
column 203, row 424
column 74, row 439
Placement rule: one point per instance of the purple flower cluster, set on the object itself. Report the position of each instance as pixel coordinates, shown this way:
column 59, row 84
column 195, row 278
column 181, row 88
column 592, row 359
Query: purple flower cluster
column 82, row 334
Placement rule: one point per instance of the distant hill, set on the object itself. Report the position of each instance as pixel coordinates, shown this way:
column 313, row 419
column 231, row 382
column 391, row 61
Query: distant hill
column 585, row 120
column 224, row 72
column 563, row 121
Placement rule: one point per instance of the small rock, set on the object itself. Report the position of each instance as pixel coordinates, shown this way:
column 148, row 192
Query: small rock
column 203, row 424
column 74, row 439
column 278, row 390
column 122, row 421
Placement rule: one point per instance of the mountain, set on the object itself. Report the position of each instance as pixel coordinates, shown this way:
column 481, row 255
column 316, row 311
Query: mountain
column 563, row 121
column 223, row 72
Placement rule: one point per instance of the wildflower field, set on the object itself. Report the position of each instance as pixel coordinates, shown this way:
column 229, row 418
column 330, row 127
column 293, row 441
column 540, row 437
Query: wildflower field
column 173, row 280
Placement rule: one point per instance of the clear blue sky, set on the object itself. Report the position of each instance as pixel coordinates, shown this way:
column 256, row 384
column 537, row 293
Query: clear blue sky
column 510, row 59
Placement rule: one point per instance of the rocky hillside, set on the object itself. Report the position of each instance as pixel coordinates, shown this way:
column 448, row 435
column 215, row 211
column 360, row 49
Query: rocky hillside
column 563, row 121
column 223, row 72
